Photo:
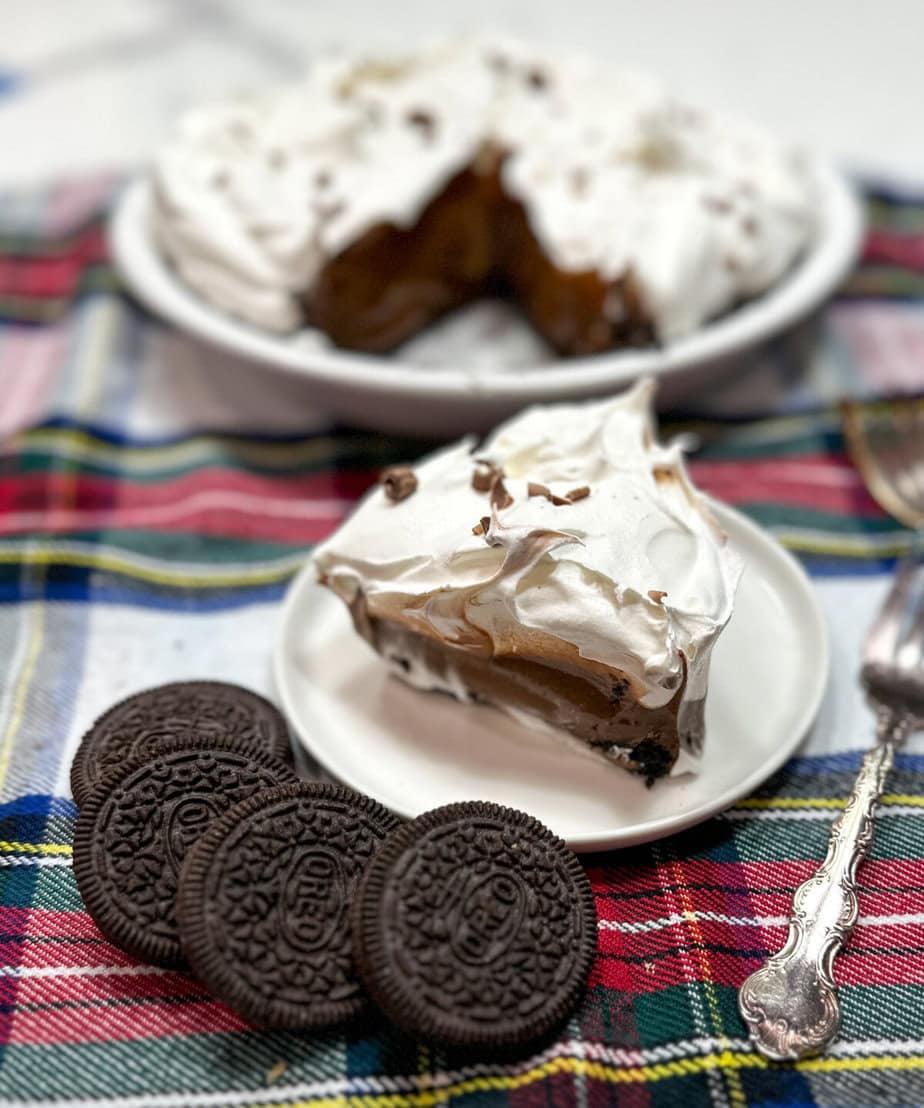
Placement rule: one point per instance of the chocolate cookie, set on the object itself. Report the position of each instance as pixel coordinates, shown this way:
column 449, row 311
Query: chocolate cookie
column 264, row 899
column 184, row 709
column 474, row 924
column 133, row 833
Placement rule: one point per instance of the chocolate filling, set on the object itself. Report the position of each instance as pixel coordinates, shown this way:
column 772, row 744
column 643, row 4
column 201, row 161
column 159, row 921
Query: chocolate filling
column 471, row 240
column 593, row 703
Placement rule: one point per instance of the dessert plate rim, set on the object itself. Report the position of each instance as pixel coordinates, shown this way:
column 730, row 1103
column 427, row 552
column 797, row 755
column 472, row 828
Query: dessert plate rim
column 305, row 598
column 349, row 383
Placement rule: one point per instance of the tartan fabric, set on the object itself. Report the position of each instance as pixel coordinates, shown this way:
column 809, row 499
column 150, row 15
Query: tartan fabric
column 149, row 523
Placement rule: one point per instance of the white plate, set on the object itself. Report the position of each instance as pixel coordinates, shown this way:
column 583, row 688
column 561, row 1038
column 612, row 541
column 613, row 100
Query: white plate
column 482, row 364
column 413, row 751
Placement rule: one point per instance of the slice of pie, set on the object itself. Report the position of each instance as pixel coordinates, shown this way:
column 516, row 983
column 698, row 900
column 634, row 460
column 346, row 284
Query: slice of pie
column 566, row 571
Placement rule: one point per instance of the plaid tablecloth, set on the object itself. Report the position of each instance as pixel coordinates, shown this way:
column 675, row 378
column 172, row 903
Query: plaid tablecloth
column 155, row 498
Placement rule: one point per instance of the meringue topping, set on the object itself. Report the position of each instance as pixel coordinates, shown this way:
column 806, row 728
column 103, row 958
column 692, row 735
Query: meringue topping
column 636, row 575
column 617, row 176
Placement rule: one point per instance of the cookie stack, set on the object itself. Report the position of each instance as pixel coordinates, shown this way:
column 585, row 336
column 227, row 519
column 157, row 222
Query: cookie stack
column 296, row 903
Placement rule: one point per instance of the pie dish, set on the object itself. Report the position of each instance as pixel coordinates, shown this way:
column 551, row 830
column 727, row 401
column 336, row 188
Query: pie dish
column 482, row 363
column 241, row 281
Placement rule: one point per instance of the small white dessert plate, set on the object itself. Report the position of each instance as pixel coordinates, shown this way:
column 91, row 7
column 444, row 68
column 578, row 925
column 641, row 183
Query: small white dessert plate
column 484, row 363
column 414, row 751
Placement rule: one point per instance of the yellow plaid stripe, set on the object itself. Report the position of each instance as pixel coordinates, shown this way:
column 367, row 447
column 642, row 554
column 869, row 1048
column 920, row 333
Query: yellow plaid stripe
column 35, row 848
column 834, row 802
column 598, row 1071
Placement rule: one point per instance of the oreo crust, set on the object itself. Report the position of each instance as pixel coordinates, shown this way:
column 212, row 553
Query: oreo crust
column 183, row 709
column 133, row 833
column 475, row 925
column 264, row 897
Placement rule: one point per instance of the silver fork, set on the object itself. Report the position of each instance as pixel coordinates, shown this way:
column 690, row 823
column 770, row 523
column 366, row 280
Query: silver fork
column 790, row 1004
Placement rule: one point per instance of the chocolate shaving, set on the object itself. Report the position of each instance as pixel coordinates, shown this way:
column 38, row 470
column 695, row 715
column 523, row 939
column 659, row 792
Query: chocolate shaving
column 424, row 121
column 720, row 204
column 483, row 477
column 537, row 79
column 481, row 528
column 489, row 478
column 399, row 482
column 535, row 489
column 500, row 498
column 323, row 179
column 657, row 595
column 750, row 226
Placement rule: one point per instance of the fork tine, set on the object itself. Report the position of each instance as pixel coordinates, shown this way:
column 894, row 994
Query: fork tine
column 884, row 440
column 906, row 463
column 882, row 641
column 914, row 445
column 910, row 650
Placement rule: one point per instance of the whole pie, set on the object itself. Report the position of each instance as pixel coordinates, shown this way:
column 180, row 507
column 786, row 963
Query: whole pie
column 383, row 191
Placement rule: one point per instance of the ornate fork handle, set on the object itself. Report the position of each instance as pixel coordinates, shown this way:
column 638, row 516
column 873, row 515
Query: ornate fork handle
column 790, row 1004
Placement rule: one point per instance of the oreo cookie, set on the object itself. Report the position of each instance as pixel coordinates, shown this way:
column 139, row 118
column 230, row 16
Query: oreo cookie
column 133, row 833
column 184, row 709
column 263, row 904
column 474, row 925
